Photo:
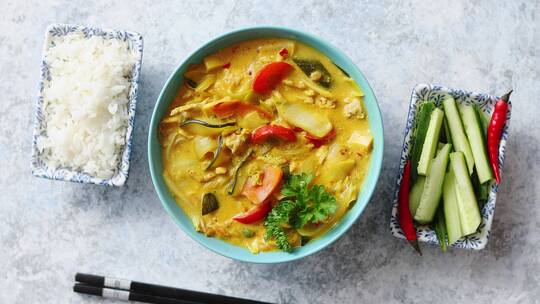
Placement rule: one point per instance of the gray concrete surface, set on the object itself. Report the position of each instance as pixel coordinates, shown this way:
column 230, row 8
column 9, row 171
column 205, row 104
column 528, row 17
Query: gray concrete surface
column 50, row 230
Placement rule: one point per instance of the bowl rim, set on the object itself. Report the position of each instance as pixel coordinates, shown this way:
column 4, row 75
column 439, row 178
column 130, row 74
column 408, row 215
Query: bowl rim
column 367, row 189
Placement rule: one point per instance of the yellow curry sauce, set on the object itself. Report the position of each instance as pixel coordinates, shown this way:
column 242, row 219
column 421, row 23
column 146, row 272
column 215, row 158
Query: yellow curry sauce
column 323, row 102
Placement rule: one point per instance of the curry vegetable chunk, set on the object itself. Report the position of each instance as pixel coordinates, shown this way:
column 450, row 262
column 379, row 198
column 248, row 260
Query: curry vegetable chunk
column 266, row 145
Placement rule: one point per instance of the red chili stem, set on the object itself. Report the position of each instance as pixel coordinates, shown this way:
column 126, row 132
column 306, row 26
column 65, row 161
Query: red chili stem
column 496, row 125
column 404, row 213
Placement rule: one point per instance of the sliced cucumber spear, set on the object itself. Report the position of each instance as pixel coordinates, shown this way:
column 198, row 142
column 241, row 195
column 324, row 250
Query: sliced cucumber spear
column 431, row 196
column 469, row 214
column 416, row 194
column 420, row 131
column 459, row 139
column 431, row 141
column 440, row 228
column 447, row 131
column 473, row 128
column 451, row 211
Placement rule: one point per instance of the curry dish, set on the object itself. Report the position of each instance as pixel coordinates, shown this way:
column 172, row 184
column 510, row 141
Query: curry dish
column 266, row 144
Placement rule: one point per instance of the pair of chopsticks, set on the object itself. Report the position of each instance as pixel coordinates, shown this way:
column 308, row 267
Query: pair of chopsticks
column 127, row 290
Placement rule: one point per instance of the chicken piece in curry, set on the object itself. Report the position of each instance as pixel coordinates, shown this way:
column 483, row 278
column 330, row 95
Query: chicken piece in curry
column 266, row 144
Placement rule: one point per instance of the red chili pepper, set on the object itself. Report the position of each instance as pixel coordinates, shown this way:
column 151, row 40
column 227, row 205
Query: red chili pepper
column 227, row 65
column 496, row 125
column 284, row 52
column 261, row 134
column 255, row 214
column 319, row 141
column 270, row 75
column 404, row 213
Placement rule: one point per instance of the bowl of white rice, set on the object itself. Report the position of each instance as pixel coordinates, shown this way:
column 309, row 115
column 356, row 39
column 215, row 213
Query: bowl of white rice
column 86, row 104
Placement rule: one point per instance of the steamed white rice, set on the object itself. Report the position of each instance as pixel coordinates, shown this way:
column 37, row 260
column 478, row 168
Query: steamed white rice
column 86, row 104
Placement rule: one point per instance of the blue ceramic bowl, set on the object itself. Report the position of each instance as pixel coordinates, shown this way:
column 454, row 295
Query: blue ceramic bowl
column 175, row 81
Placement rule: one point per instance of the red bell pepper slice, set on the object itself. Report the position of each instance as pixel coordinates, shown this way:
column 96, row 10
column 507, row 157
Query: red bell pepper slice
column 257, row 213
column 230, row 108
column 270, row 75
column 270, row 182
column 319, row 141
column 261, row 134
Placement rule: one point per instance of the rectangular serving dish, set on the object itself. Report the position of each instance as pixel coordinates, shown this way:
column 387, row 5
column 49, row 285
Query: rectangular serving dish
column 424, row 92
column 39, row 168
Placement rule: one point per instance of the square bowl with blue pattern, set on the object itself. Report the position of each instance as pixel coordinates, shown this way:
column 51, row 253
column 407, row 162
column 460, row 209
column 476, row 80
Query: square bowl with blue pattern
column 39, row 167
column 486, row 103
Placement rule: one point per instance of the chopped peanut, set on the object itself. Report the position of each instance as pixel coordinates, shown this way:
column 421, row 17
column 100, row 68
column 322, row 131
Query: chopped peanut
column 208, row 176
column 288, row 82
column 309, row 100
column 309, row 92
column 221, row 170
column 315, row 76
column 324, row 102
column 301, row 85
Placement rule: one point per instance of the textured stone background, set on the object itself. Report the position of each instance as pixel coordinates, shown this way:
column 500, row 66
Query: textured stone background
column 50, row 230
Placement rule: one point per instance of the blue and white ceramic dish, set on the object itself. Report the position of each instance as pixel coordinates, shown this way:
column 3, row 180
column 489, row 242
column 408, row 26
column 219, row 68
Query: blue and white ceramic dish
column 424, row 92
column 39, row 168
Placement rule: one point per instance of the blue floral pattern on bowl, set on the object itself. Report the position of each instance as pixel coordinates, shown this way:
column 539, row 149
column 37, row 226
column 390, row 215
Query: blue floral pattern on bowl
column 486, row 103
column 39, row 167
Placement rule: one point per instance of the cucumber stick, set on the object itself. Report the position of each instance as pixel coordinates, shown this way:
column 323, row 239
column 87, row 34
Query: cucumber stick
column 431, row 195
column 440, row 228
column 420, row 130
column 484, row 121
column 459, row 139
column 431, row 141
column 473, row 128
column 469, row 214
column 451, row 211
column 416, row 194
column 447, row 131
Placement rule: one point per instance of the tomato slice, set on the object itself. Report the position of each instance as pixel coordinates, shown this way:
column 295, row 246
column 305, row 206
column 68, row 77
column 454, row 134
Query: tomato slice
column 319, row 141
column 260, row 193
column 230, row 108
column 257, row 213
column 270, row 75
column 261, row 134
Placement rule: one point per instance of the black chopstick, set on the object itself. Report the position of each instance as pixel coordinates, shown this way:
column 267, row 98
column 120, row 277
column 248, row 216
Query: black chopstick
column 152, row 290
column 125, row 295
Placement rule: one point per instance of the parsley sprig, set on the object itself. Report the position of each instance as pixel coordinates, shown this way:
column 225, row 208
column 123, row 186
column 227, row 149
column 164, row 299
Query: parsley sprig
column 299, row 206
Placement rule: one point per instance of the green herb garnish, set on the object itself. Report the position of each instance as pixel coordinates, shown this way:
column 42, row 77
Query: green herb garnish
column 301, row 205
